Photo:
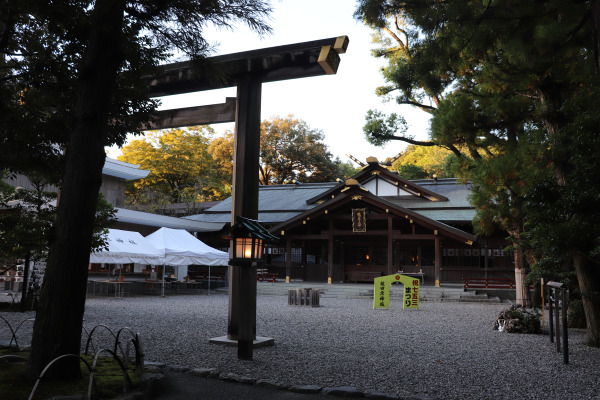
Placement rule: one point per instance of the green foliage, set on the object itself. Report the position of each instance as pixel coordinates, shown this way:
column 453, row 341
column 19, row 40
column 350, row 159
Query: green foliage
column 411, row 171
column 25, row 221
column 499, row 187
column 181, row 167
column 452, row 167
column 564, row 218
column 380, row 129
column 519, row 320
column 422, row 162
column 108, row 377
column 221, row 150
column 291, row 150
column 345, row 170
column 576, row 314
column 43, row 50
column 27, row 218
column 71, row 83
column 513, row 89
column 508, row 94
column 106, row 215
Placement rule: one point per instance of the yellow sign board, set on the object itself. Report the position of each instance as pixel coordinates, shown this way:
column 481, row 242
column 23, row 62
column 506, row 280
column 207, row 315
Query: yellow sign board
column 381, row 294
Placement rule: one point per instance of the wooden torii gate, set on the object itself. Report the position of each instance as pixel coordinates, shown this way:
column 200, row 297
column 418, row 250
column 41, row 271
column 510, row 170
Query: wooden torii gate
column 247, row 71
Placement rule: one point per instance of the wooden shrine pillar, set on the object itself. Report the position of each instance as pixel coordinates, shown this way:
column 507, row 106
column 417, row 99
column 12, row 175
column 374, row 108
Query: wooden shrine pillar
column 330, row 252
column 242, row 279
column 390, row 248
column 288, row 260
column 304, row 261
column 438, row 261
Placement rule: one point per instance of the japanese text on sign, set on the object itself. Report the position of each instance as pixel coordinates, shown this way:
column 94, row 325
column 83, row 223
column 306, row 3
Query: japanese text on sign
column 381, row 295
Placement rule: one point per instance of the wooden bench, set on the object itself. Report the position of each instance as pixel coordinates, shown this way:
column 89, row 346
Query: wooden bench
column 362, row 276
column 477, row 283
column 204, row 276
column 420, row 275
column 263, row 275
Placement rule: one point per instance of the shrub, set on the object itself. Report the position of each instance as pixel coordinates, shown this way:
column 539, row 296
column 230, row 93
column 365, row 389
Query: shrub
column 519, row 320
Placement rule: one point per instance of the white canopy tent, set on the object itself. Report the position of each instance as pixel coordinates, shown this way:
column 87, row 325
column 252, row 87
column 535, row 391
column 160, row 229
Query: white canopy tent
column 181, row 249
column 125, row 247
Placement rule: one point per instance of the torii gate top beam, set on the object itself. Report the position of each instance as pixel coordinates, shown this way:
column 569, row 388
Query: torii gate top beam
column 300, row 60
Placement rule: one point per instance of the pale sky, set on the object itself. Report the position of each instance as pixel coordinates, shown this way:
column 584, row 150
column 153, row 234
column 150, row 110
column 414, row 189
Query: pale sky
column 335, row 104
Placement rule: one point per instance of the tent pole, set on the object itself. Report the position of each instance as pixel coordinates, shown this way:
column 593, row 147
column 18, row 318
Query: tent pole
column 162, row 288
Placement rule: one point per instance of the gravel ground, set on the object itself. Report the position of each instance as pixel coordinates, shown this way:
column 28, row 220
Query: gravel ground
column 443, row 350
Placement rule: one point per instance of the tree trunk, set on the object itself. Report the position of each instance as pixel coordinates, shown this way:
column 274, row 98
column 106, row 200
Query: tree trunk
column 588, row 276
column 522, row 297
column 59, row 319
column 25, row 290
column 596, row 33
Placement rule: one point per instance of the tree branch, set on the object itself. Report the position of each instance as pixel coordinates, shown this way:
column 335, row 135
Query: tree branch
column 428, row 143
column 423, row 107
column 394, row 36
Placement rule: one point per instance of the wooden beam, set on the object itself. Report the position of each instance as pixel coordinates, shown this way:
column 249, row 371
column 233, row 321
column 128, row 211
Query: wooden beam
column 324, row 235
column 200, row 115
column 291, row 61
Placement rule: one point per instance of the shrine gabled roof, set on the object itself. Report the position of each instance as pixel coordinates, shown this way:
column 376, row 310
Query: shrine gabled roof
column 279, row 203
column 456, row 209
column 373, row 171
column 276, row 203
column 355, row 192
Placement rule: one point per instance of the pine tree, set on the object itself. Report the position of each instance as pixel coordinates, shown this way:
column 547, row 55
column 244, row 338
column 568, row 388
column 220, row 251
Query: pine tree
column 505, row 81
column 71, row 86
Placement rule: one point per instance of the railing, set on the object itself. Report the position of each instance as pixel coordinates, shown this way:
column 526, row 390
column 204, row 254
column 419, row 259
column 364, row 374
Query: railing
column 558, row 294
column 122, row 356
column 474, row 283
column 14, row 331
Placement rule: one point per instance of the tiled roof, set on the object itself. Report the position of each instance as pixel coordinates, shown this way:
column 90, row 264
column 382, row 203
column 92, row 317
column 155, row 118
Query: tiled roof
column 276, row 203
column 279, row 203
column 123, row 170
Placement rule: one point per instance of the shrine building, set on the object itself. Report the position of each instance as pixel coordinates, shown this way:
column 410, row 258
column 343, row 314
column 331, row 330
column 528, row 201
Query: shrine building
column 376, row 223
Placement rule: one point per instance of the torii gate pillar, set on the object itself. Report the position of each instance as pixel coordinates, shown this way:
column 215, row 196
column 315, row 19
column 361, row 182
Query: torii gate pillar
column 242, row 279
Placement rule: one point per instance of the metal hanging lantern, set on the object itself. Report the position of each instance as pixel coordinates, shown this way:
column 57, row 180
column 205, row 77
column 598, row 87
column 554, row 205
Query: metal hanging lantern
column 247, row 249
column 248, row 238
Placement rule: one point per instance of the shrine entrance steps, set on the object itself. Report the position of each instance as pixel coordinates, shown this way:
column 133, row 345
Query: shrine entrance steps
column 447, row 292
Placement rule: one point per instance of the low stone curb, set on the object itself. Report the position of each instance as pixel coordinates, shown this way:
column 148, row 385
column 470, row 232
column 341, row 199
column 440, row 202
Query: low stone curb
column 205, row 372
column 138, row 395
column 231, row 377
column 377, row 395
column 343, row 391
column 154, row 370
column 154, row 365
column 178, row 368
column 269, row 383
column 150, row 381
column 305, row 389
